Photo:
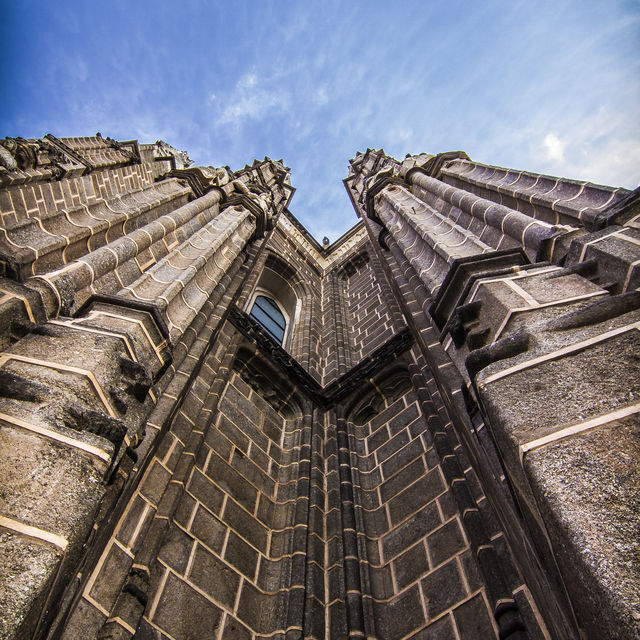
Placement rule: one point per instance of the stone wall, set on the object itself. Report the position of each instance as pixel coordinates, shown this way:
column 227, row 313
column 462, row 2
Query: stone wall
column 504, row 282
column 453, row 406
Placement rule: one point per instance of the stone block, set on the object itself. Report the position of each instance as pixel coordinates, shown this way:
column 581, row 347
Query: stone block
column 214, row 577
column 246, row 524
column 445, row 543
column 27, row 571
column 205, row 491
column 443, row 588
column 411, row 565
column 241, row 555
column 409, row 532
column 176, row 549
column 208, row 529
column 473, row 619
column 588, row 491
column 400, row 615
column 186, row 614
column 111, row 574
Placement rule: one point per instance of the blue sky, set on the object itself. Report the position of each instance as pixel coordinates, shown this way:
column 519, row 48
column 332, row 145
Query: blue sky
column 552, row 87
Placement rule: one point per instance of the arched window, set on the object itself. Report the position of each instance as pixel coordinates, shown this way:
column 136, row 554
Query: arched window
column 267, row 312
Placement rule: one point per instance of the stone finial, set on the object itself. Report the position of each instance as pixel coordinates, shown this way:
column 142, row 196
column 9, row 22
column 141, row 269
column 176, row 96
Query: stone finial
column 164, row 149
column 6, row 159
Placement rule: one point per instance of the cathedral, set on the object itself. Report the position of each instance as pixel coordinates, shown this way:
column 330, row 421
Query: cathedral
column 213, row 427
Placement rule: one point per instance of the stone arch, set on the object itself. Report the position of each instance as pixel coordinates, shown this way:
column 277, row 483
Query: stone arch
column 283, row 282
column 377, row 394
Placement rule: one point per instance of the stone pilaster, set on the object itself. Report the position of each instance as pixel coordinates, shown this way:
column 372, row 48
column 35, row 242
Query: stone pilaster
column 567, row 438
column 181, row 282
column 520, row 334
column 66, row 289
column 74, row 397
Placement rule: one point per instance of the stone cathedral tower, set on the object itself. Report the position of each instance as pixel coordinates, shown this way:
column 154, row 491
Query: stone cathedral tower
column 212, row 427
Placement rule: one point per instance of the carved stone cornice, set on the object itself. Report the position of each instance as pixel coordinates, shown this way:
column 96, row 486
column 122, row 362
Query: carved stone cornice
column 434, row 165
column 76, row 157
column 200, row 179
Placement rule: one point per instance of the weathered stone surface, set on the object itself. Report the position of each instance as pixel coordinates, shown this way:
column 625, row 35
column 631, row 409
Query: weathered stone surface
column 27, row 568
column 588, row 490
column 171, row 471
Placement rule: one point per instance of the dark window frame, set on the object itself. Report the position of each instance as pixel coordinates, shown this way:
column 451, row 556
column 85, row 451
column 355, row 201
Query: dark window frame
column 268, row 314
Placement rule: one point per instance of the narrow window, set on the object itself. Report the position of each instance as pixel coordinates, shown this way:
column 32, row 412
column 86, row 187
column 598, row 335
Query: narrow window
column 268, row 314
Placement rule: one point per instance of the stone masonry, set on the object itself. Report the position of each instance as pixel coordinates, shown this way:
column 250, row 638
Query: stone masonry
column 444, row 446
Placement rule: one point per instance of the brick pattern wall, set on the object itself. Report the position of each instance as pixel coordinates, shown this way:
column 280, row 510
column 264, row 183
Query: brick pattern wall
column 228, row 554
column 423, row 578
column 369, row 316
column 44, row 199
column 188, row 394
column 508, row 209
column 113, row 227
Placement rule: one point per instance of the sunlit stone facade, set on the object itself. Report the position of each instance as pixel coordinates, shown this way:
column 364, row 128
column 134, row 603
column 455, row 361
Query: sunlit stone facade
column 213, row 427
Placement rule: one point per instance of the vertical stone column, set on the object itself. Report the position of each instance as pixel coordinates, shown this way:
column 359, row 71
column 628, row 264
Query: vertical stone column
column 553, row 200
column 74, row 397
column 336, row 587
column 557, row 383
column 526, row 338
column 486, row 218
column 428, row 240
column 181, row 283
column 65, row 289
column 353, row 589
column 314, row 625
column 343, row 351
column 75, row 393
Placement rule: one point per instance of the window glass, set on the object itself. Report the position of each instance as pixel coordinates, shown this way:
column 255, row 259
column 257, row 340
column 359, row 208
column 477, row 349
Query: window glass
column 268, row 314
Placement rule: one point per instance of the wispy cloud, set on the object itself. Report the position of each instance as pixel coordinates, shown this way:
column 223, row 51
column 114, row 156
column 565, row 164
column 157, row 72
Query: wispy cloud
column 249, row 101
column 547, row 87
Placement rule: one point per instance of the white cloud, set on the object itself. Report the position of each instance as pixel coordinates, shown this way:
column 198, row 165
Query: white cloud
column 247, row 81
column 321, row 96
column 554, row 147
column 249, row 101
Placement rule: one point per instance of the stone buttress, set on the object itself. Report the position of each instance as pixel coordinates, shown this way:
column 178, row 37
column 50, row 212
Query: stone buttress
column 442, row 443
